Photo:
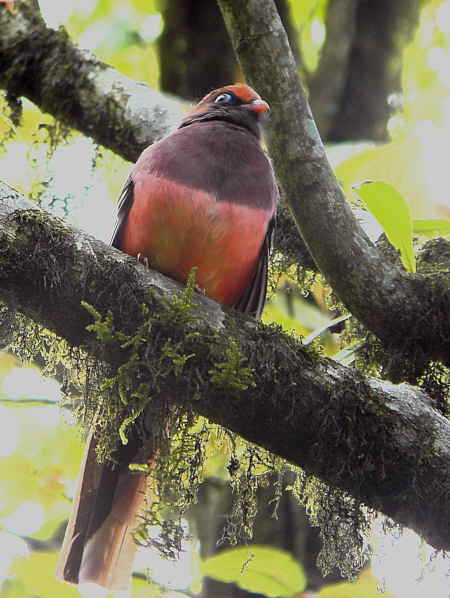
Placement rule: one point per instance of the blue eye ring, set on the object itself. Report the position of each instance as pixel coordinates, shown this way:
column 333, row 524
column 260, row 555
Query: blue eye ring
column 225, row 97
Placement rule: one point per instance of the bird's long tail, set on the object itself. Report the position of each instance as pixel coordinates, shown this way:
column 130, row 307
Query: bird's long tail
column 98, row 545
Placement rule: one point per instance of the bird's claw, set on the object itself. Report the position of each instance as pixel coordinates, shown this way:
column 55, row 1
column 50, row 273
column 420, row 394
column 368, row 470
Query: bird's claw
column 143, row 259
column 199, row 290
column 9, row 5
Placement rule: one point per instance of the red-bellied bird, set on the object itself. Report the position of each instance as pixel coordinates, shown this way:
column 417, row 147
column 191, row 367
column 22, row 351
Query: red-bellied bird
column 205, row 197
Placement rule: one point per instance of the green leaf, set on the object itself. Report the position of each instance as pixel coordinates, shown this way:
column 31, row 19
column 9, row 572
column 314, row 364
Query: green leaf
column 366, row 586
column 36, row 575
column 432, row 228
column 258, row 569
column 393, row 213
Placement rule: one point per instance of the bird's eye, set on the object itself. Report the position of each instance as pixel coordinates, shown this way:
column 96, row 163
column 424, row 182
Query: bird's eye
column 225, row 98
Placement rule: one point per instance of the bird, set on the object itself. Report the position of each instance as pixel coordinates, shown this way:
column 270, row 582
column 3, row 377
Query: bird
column 205, row 196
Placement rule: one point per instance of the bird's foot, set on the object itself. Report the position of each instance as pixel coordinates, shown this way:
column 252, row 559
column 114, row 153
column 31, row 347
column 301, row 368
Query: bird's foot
column 9, row 5
column 143, row 259
column 199, row 290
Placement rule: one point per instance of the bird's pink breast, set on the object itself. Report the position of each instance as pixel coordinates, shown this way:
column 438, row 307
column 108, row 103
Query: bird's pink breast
column 177, row 228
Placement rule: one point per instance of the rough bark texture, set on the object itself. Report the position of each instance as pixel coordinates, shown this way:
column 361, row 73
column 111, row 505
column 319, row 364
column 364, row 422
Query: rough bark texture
column 398, row 307
column 382, row 30
column 384, row 444
column 78, row 89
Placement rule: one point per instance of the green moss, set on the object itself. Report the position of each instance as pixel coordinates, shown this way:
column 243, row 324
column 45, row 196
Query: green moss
column 411, row 362
column 147, row 367
column 102, row 327
column 231, row 374
column 157, row 351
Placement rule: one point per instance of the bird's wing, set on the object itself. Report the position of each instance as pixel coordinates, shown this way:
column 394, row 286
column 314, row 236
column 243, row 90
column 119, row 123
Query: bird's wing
column 253, row 299
column 123, row 207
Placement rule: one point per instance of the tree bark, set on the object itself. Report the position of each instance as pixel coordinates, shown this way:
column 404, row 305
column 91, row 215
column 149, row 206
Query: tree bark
column 78, row 89
column 397, row 306
column 384, row 444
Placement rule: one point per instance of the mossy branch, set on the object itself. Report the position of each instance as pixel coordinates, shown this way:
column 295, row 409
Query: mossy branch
column 125, row 116
column 406, row 313
column 81, row 91
column 384, row 444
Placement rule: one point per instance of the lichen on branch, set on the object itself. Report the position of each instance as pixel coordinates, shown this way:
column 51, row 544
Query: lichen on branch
column 354, row 432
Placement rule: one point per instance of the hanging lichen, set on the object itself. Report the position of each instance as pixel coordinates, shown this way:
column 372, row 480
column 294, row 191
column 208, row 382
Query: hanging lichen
column 412, row 363
column 344, row 525
column 154, row 357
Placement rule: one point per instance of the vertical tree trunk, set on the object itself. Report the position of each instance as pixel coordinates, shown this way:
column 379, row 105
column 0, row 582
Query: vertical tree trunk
column 195, row 53
column 382, row 29
column 327, row 84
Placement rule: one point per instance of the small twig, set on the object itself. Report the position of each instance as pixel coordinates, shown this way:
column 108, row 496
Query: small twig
column 28, row 401
column 163, row 588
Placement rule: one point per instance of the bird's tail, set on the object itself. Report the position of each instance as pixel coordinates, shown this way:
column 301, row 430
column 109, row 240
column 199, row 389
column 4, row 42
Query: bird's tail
column 98, row 545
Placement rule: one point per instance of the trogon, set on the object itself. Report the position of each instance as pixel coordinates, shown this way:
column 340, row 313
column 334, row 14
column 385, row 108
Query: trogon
column 203, row 196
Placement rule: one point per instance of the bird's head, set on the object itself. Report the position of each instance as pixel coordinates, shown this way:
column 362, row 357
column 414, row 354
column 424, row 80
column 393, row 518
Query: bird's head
column 238, row 104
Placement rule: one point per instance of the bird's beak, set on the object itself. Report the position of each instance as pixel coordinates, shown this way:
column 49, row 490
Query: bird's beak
column 258, row 106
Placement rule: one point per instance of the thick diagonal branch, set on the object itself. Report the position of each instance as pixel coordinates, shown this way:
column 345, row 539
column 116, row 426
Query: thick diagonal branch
column 398, row 307
column 78, row 89
column 384, row 444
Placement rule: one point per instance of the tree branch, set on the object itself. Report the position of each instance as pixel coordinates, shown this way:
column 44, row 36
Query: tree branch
column 384, row 444
column 78, row 89
column 117, row 112
column 406, row 312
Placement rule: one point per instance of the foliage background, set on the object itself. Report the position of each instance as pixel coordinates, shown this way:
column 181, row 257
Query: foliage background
column 40, row 448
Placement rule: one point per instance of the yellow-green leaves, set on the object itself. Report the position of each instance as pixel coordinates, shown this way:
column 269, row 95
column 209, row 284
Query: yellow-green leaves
column 367, row 586
column 432, row 228
column 33, row 576
column 393, row 213
column 258, row 569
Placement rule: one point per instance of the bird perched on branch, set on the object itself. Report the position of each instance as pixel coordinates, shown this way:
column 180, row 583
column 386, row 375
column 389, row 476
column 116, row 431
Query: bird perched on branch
column 204, row 197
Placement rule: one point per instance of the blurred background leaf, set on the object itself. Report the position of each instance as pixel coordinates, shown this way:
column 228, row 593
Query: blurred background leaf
column 258, row 569
column 40, row 448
